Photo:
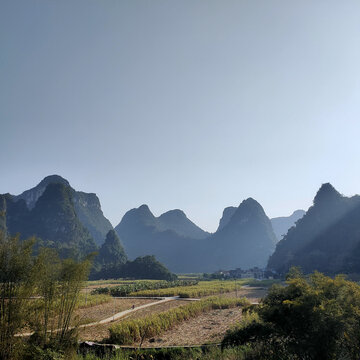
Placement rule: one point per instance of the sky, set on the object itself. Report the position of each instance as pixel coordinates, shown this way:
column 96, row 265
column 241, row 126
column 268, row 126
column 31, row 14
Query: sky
column 190, row 104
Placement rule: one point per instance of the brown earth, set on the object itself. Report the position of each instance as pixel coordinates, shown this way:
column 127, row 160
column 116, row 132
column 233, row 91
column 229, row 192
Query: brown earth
column 207, row 328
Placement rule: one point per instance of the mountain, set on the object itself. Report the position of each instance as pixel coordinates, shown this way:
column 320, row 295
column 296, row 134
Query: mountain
column 226, row 216
column 282, row 224
column 142, row 234
column 177, row 221
column 52, row 219
column 32, row 195
column 246, row 239
column 87, row 206
column 2, row 214
column 111, row 252
column 68, row 221
column 326, row 238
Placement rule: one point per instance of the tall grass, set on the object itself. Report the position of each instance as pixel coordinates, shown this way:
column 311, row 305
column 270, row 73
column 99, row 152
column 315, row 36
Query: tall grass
column 126, row 289
column 89, row 300
column 179, row 353
column 129, row 331
column 203, row 288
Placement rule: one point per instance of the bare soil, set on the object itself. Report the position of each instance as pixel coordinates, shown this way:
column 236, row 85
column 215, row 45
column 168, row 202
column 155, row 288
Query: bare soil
column 207, row 328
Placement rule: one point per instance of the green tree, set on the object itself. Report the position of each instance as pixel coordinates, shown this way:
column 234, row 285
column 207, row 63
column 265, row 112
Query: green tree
column 311, row 318
column 16, row 287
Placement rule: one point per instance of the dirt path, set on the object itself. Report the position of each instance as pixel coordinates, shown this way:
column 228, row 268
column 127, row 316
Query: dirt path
column 124, row 313
column 116, row 316
column 101, row 331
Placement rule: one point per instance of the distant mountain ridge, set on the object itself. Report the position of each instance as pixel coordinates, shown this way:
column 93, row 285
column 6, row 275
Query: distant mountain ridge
column 326, row 238
column 68, row 221
column 245, row 239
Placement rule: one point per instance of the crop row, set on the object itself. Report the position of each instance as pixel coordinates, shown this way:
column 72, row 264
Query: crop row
column 203, row 288
column 129, row 331
column 135, row 287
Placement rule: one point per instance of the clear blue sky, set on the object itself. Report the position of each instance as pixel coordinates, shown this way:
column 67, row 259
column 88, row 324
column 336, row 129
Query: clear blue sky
column 192, row 104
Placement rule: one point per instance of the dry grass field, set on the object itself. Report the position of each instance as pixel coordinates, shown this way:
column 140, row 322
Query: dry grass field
column 100, row 332
column 103, row 311
column 206, row 328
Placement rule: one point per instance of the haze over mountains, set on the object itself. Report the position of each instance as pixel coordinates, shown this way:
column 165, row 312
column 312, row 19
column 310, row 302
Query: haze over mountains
column 246, row 239
column 282, row 224
column 73, row 222
column 326, row 238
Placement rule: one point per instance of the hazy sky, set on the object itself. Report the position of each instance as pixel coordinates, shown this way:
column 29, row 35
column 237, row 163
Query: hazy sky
column 193, row 104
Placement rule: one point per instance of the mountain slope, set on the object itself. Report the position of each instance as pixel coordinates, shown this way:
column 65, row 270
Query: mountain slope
column 282, row 224
column 226, row 216
column 246, row 239
column 87, row 206
column 324, row 237
column 52, row 219
column 177, row 221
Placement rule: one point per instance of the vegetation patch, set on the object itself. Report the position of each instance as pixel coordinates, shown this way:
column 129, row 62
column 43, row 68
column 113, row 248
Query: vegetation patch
column 138, row 286
column 203, row 288
column 130, row 331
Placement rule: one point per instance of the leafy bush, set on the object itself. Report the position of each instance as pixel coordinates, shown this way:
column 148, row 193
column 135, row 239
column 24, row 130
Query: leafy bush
column 312, row 318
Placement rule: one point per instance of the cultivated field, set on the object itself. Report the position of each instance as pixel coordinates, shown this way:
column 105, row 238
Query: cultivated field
column 204, row 327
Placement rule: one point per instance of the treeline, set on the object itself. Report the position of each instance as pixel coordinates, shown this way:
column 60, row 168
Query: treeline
column 143, row 267
column 38, row 295
column 130, row 289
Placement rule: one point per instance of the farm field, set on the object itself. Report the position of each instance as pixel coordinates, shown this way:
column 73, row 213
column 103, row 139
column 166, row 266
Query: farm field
column 205, row 328
column 105, row 310
column 203, row 288
column 100, row 332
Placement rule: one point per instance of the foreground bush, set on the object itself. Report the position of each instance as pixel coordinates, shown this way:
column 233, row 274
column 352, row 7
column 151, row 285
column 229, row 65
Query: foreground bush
column 312, row 318
column 130, row 331
column 204, row 353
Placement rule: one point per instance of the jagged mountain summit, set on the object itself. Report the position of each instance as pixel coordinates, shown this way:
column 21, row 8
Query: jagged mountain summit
column 226, row 216
column 87, row 206
column 326, row 238
column 52, row 219
column 282, row 224
column 144, row 234
column 246, row 239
